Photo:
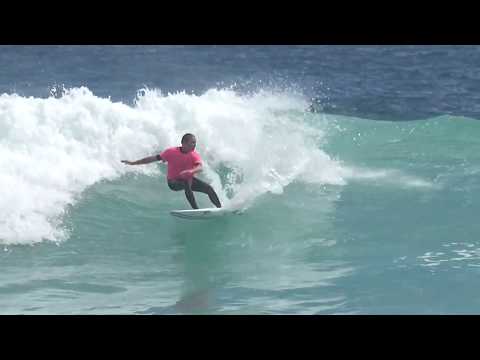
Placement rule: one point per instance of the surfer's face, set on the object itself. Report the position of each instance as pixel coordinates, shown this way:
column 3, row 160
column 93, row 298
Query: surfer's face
column 189, row 145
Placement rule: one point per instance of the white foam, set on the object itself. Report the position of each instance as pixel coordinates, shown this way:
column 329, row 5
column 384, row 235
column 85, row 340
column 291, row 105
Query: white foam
column 53, row 149
column 387, row 176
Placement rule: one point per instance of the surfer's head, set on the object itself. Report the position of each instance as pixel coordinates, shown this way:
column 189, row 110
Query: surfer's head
column 188, row 142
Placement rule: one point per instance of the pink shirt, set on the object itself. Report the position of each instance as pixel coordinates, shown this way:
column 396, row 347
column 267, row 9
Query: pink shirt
column 178, row 161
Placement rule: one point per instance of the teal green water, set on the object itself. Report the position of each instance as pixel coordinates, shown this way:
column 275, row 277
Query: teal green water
column 386, row 223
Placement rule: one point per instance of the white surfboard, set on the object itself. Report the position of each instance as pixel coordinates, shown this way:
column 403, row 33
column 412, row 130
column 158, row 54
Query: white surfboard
column 206, row 213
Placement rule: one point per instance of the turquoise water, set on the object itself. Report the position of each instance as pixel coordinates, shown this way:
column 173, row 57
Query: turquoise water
column 342, row 215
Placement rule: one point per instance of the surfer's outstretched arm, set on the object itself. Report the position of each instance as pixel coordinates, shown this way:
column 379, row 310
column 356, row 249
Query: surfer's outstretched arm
column 146, row 160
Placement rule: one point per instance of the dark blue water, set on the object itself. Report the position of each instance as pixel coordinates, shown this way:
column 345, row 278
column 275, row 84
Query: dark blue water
column 378, row 82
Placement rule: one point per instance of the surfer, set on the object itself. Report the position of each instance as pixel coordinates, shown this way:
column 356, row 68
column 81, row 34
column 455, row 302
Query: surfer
column 183, row 163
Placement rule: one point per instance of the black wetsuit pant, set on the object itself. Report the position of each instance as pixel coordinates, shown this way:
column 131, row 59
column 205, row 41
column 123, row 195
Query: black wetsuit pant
column 196, row 185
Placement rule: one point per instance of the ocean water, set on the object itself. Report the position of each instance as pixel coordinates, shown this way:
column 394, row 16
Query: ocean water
column 357, row 168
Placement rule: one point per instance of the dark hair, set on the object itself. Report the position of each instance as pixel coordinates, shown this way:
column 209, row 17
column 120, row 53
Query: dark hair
column 187, row 137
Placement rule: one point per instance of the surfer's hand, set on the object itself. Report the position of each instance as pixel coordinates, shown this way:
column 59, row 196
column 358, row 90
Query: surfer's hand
column 186, row 173
column 127, row 162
